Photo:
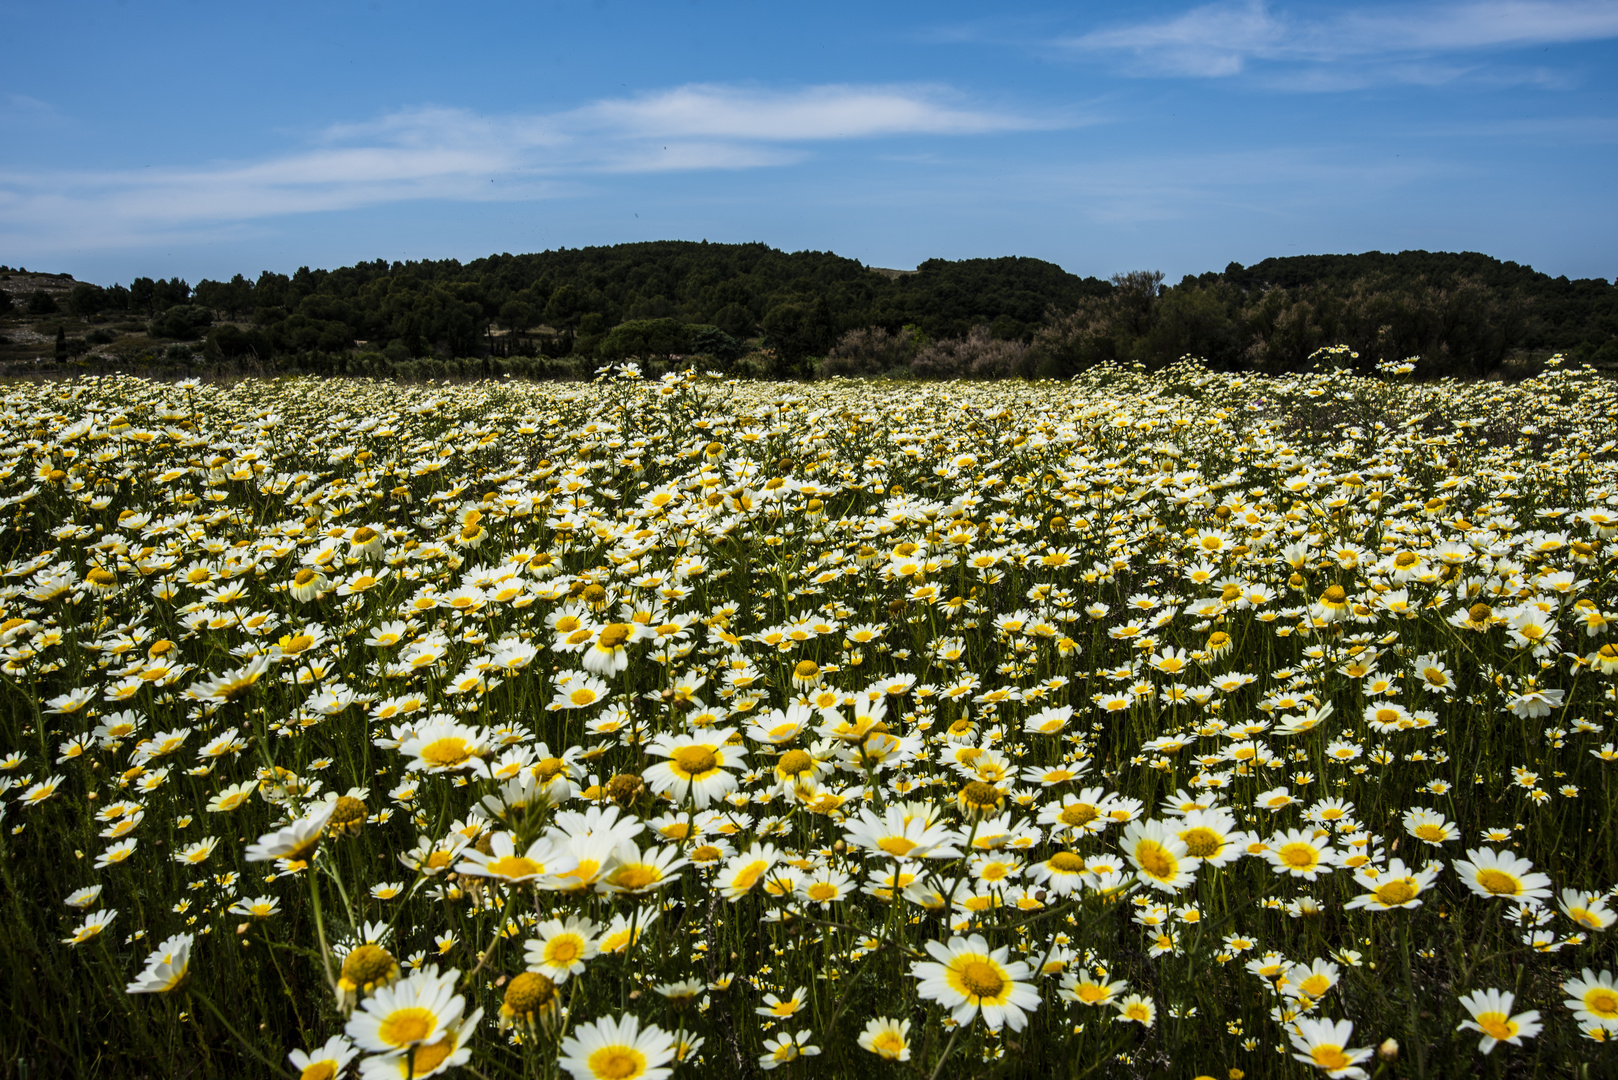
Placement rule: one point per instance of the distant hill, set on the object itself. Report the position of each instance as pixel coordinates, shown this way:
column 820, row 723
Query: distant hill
column 563, row 311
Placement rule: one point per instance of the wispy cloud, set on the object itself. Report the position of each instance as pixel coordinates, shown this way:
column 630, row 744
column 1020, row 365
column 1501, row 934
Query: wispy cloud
column 823, row 112
column 444, row 153
column 22, row 109
column 1224, row 39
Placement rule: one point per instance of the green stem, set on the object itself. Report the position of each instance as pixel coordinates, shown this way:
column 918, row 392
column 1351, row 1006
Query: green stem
column 945, row 1055
column 255, row 1051
column 1410, row 991
column 320, row 931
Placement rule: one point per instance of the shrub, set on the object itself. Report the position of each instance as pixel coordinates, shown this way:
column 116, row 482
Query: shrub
column 979, row 355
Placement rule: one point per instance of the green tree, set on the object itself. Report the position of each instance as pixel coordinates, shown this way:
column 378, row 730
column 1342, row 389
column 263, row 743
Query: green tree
column 646, row 339
column 1191, row 321
column 567, row 305
column 714, row 342
column 182, row 321
column 1136, row 293
column 518, row 315
column 797, row 331
column 87, row 299
column 735, row 320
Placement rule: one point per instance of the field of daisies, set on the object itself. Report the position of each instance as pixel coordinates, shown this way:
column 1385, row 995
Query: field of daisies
column 1147, row 725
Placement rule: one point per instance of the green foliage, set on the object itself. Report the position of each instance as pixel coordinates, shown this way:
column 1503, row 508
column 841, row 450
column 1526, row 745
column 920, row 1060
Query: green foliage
column 795, row 331
column 182, row 321
column 712, row 341
column 1462, row 314
column 646, row 338
column 86, row 299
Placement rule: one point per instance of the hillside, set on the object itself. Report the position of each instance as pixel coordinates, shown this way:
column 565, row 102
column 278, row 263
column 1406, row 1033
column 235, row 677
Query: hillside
column 561, row 312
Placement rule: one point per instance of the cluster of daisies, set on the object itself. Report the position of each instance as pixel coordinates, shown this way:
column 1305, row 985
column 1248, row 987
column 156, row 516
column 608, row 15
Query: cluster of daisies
column 614, row 727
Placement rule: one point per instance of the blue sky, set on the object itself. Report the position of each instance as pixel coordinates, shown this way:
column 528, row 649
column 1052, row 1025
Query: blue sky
column 204, row 139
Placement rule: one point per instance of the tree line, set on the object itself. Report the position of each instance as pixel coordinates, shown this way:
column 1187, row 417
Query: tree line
column 796, row 314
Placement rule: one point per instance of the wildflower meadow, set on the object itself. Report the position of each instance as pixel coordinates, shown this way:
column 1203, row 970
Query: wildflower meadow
column 1175, row 724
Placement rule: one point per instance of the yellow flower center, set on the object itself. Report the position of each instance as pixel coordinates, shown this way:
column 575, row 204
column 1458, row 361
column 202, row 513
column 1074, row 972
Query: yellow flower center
column 563, row 950
column 1603, row 1002
column 404, row 1027
column 617, row 1062
column 515, row 867
column 1079, row 814
column 637, row 876
column 822, row 891
column 613, row 636
column 979, row 795
column 295, row 643
column 1329, row 1058
column 1431, row 833
column 1395, row 893
column 1200, row 842
column 319, row 1070
column 982, row 979
column 1499, row 882
column 794, row 763
column 694, row 761
column 1156, row 860
column 748, row 876
column 1298, row 856
column 1496, row 1025
column 447, row 752
column 431, row 1057
column 1066, row 862
column 528, row 993
column 889, row 1044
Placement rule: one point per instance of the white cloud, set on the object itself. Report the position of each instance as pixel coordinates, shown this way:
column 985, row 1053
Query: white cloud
column 22, row 109
column 442, row 153
column 1213, row 40
column 823, row 112
column 1224, row 39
